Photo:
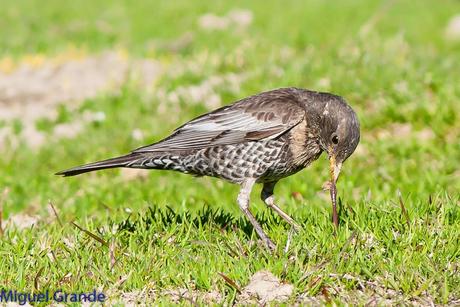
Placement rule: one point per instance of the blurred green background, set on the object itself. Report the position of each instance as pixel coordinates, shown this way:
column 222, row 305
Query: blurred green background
column 393, row 61
column 86, row 80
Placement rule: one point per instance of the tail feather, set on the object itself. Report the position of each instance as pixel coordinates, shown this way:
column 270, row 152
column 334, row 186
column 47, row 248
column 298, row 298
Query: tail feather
column 122, row 161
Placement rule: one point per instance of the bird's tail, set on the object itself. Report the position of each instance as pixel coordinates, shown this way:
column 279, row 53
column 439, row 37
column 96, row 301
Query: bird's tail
column 123, row 161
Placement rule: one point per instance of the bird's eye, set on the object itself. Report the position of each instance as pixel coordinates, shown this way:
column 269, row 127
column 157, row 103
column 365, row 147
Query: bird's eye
column 335, row 139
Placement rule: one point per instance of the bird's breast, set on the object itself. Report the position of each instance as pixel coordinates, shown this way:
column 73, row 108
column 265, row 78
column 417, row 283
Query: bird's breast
column 266, row 160
column 304, row 145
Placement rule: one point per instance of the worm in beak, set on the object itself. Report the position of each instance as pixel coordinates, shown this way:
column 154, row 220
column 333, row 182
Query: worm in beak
column 334, row 170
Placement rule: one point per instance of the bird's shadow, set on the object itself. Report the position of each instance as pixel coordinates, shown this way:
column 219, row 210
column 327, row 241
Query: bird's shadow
column 166, row 217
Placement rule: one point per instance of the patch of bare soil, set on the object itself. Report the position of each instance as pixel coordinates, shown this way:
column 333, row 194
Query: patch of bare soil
column 452, row 31
column 370, row 293
column 180, row 295
column 263, row 288
column 134, row 298
column 403, row 131
column 237, row 19
column 20, row 221
column 32, row 92
column 193, row 296
column 129, row 174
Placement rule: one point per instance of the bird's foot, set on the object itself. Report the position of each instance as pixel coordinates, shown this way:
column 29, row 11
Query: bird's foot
column 297, row 227
column 269, row 244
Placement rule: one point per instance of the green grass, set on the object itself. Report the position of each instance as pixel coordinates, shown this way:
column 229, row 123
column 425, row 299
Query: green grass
column 402, row 72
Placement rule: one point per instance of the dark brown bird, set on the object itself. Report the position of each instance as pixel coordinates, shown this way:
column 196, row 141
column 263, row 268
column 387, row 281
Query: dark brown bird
column 259, row 139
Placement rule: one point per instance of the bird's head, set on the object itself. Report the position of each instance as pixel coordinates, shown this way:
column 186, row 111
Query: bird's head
column 337, row 128
column 339, row 135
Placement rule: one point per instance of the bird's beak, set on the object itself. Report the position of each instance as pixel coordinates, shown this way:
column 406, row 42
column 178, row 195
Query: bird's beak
column 334, row 170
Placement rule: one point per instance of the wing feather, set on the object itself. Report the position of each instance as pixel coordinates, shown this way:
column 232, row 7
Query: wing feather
column 266, row 115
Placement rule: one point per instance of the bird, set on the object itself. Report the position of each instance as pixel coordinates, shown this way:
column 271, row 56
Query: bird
column 259, row 139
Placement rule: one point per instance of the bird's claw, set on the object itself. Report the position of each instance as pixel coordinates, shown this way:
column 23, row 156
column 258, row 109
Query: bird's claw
column 270, row 245
column 297, row 228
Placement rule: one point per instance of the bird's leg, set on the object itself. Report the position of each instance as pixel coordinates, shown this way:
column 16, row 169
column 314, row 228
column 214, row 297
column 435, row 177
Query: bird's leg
column 243, row 202
column 269, row 199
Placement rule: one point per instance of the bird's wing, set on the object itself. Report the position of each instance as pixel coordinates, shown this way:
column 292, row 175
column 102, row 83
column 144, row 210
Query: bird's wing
column 262, row 116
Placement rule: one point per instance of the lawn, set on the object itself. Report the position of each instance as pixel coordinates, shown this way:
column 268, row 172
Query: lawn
column 84, row 80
